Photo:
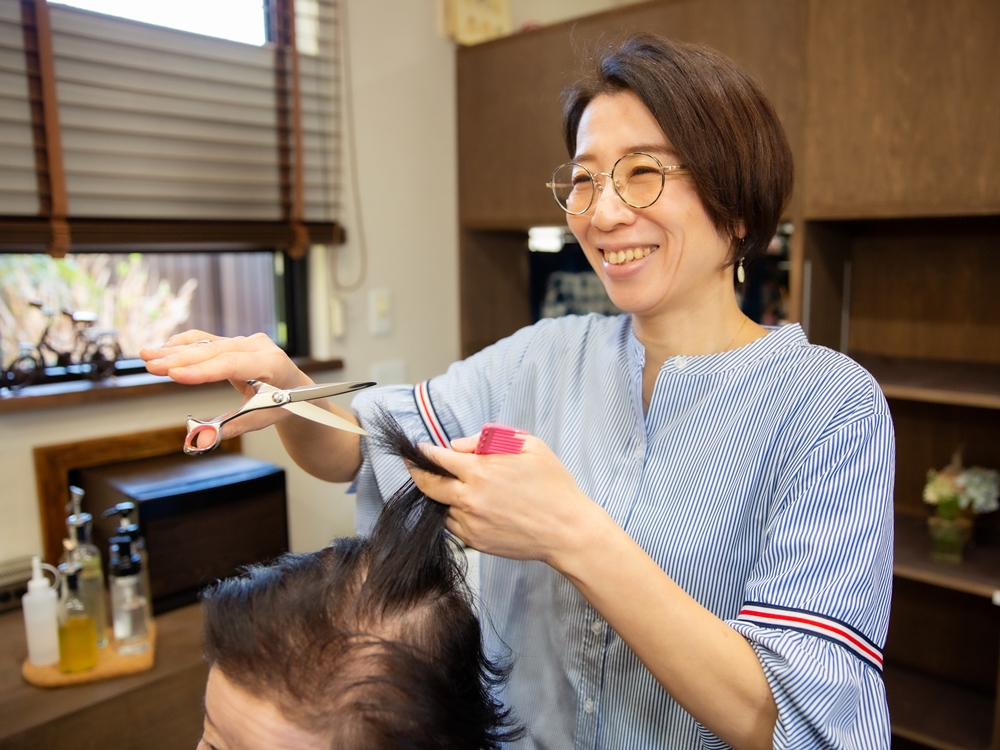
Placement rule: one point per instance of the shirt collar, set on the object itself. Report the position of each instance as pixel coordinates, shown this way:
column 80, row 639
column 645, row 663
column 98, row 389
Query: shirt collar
column 777, row 340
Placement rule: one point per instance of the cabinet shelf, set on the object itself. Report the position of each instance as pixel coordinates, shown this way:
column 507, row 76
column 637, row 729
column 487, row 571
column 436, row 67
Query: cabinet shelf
column 933, row 381
column 978, row 574
column 938, row 713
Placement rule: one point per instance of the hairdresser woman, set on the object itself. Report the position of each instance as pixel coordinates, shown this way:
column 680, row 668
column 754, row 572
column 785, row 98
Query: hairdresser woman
column 694, row 548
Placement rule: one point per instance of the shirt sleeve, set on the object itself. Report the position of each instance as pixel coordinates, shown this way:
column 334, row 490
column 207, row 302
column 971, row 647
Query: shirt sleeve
column 455, row 404
column 816, row 607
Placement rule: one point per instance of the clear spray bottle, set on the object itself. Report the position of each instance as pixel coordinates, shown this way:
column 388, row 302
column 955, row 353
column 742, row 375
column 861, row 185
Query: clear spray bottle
column 129, row 611
column 127, row 526
column 41, row 615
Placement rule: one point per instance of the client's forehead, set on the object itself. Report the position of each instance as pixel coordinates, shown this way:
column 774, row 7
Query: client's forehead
column 238, row 720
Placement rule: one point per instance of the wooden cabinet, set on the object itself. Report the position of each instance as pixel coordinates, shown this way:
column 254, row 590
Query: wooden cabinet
column 903, row 114
column 914, row 301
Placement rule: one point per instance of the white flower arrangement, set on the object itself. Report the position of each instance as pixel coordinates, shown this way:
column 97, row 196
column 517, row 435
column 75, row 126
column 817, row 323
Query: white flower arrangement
column 953, row 488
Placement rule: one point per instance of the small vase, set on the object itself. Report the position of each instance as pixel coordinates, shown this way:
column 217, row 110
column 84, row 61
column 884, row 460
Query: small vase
column 948, row 537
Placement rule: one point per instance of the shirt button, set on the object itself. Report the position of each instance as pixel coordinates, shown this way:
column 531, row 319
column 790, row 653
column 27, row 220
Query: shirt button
column 588, row 706
column 639, row 452
column 595, row 627
column 680, row 362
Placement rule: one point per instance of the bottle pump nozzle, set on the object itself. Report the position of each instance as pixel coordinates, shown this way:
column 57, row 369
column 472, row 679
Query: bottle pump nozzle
column 78, row 522
column 124, row 512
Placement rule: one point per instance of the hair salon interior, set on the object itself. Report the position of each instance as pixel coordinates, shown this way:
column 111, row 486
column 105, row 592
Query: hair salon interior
column 365, row 182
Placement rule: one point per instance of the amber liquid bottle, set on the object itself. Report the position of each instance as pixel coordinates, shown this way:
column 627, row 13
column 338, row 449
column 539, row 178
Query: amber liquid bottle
column 77, row 635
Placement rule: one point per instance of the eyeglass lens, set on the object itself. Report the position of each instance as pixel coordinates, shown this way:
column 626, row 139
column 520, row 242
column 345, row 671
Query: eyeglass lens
column 638, row 180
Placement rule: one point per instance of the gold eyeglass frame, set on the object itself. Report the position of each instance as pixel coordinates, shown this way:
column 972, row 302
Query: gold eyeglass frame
column 599, row 185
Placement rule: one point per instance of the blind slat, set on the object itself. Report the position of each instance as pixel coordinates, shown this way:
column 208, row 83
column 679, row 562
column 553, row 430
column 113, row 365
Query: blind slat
column 13, row 157
column 113, row 55
column 165, row 147
column 176, row 169
column 175, row 127
column 87, row 185
column 10, row 12
column 82, row 24
column 73, row 94
column 132, row 207
column 21, row 205
column 260, row 92
column 17, row 134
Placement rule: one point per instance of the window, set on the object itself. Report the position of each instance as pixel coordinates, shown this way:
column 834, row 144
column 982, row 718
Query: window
column 49, row 308
column 236, row 20
column 209, row 156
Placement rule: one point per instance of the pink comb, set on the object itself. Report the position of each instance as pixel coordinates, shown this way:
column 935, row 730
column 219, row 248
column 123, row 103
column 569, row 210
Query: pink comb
column 495, row 438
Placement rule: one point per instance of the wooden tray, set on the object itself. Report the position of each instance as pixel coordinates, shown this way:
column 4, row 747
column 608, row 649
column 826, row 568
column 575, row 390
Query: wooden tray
column 109, row 664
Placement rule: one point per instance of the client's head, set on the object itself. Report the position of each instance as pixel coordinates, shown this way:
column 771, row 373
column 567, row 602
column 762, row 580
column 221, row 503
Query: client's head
column 368, row 643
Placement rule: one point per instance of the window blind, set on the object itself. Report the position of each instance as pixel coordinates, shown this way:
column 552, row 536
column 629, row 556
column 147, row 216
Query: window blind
column 18, row 179
column 172, row 137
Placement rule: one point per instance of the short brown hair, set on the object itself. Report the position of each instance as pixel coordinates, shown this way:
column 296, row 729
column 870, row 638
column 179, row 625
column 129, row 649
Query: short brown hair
column 719, row 122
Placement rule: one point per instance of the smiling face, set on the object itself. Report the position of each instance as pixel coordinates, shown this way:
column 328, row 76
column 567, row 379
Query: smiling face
column 237, row 720
column 679, row 262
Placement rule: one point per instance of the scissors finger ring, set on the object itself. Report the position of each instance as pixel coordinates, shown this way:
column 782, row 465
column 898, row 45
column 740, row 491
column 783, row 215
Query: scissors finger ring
column 267, row 396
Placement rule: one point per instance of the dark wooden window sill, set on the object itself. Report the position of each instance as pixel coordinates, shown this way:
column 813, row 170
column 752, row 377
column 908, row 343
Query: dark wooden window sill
column 78, row 392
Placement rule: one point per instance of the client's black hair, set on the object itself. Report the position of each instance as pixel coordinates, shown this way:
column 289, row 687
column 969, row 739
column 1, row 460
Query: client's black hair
column 372, row 642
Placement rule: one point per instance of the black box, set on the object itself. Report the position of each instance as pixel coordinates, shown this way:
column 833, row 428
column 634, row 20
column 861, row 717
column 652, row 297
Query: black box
column 202, row 518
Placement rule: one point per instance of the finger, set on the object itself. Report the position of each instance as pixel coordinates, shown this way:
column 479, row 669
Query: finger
column 445, row 490
column 462, row 465
column 191, row 368
column 160, row 359
column 465, row 444
column 192, row 336
column 456, row 527
column 180, row 339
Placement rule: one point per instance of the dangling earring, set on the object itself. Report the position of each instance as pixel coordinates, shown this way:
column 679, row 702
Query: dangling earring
column 741, row 275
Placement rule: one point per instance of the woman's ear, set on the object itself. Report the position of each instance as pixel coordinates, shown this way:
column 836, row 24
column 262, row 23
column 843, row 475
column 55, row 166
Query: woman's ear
column 741, row 230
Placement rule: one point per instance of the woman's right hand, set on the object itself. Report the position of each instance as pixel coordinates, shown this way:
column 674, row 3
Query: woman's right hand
column 194, row 357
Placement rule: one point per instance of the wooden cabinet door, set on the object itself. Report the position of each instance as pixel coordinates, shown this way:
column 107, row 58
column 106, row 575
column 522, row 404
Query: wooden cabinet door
column 904, row 109
column 509, row 107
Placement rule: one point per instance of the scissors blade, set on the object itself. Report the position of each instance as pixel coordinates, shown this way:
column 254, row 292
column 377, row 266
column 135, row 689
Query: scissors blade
column 325, row 390
column 318, row 414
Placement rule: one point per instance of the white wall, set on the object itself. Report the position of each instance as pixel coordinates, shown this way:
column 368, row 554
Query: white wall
column 404, row 77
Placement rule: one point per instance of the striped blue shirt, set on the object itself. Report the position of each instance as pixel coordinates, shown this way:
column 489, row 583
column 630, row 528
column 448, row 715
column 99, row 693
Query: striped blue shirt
column 760, row 480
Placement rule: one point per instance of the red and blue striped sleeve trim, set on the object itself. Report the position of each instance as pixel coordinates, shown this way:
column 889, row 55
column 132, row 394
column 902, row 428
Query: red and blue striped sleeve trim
column 425, row 407
column 803, row 621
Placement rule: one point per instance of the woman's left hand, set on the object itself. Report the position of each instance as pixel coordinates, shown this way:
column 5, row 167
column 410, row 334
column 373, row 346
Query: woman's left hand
column 524, row 507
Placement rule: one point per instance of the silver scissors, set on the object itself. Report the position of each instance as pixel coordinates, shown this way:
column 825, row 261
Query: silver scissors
column 268, row 397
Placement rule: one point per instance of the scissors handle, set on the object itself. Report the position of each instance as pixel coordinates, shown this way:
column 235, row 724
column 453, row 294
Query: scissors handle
column 194, row 429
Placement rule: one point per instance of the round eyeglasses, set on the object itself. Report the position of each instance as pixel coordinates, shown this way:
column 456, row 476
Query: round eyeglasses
column 637, row 178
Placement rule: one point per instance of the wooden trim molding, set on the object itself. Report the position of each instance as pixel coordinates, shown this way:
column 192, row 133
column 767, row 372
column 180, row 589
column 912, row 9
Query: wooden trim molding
column 31, row 234
column 79, row 392
column 53, row 464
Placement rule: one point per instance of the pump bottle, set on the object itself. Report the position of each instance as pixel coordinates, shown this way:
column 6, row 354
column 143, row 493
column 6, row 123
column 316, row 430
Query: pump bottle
column 41, row 619
column 77, row 640
column 129, row 611
column 127, row 526
column 80, row 551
